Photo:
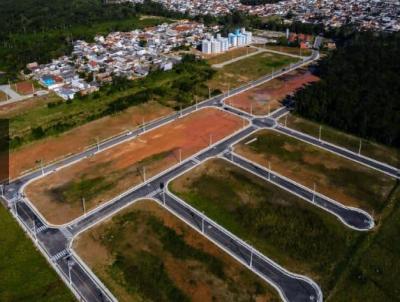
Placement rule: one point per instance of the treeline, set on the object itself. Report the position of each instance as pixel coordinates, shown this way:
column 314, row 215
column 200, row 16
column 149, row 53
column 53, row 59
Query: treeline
column 359, row 87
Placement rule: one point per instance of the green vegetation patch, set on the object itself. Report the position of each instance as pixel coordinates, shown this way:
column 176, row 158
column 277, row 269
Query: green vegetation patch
column 150, row 251
column 294, row 233
column 87, row 188
column 374, row 273
column 312, row 164
column 240, row 72
column 332, row 135
column 25, row 274
column 172, row 88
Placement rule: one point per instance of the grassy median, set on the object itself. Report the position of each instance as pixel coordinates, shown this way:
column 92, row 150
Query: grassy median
column 146, row 254
column 24, row 273
column 299, row 236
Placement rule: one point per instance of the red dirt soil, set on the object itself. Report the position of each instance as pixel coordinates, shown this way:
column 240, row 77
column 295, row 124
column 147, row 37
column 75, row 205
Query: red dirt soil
column 23, row 88
column 78, row 139
column 269, row 96
column 190, row 134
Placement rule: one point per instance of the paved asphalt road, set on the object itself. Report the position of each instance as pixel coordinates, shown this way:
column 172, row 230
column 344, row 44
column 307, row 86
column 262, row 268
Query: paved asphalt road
column 55, row 241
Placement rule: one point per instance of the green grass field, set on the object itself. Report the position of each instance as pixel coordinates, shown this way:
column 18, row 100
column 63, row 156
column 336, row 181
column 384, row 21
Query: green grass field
column 24, row 273
column 329, row 134
column 231, row 54
column 373, row 273
column 243, row 71
column 287, row 229
column 341, row 179
column 146, row 254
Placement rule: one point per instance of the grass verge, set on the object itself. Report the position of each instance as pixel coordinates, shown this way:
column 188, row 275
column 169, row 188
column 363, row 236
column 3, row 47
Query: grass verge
column 25, row 274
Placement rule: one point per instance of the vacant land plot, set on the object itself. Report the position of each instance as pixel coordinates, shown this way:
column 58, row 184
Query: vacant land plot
column 373, row 272
column 368, row 148
column 24, row 88
column 243, row 71
column 25, row 274
column 295, row 234
column 3, row 96
column 109, row 173
column 231, row 54
column 290, row 50
column 77, row 139
column 147, row 254
column 336, row 177
column 269, row 96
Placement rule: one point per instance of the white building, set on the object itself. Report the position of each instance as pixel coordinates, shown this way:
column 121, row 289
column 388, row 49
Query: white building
column 239, row 38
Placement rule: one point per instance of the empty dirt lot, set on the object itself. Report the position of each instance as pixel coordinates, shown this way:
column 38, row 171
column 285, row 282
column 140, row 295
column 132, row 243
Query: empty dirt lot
column 78, row 139
column 97, row 179
column 163, row 259
column 268, row 97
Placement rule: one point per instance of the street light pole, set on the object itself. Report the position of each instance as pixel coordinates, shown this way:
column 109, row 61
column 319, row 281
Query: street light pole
column 97, row 144
column 2, row 190
column 286, row 120
column 202, row 223
column 180, row 155
column 84, row 205
column 313, row 197
column 320, row 132
column 210, row 142
column 251, row 257
column 41, row 166
column 269, row 170
column 143, row 125
column 144, row 174
column 359, row 148
column 34, row 230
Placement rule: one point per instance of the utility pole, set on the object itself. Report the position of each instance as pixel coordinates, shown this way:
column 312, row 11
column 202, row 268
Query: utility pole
column 359, row 148
column 209, row 92
column 320, row 132
column 144, row 174
column 143, row 125
column 97, row 144
column 180, row 155
column 286, row 120
column 210, row 142
column 83, row 205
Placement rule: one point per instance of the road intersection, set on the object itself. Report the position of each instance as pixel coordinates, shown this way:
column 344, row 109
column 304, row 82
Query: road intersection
column 55, row 242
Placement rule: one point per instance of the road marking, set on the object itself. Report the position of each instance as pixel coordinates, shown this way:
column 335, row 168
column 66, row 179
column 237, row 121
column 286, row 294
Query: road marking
column 59, row 255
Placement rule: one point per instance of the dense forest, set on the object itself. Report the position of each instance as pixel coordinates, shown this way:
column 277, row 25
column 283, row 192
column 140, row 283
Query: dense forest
column 359, row 88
